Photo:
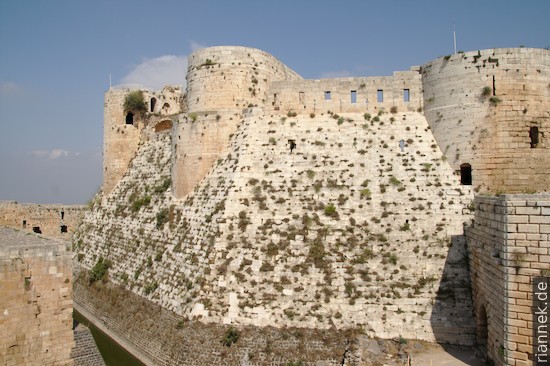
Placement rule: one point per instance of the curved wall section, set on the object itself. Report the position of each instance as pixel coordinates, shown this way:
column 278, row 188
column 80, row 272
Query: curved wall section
column 232, row 77
column 484, row 107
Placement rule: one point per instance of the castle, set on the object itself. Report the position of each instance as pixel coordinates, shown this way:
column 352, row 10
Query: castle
column 258, row 198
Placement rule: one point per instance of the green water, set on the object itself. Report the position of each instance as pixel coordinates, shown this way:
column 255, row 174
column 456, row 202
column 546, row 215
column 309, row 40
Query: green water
column 113, row 354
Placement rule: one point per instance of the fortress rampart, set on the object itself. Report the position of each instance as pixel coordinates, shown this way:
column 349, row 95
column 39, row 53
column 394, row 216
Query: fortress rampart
column 122, row 129
column 490, row 109
column 57, row 221
column 35, row 300
column 327, row 203
column 402, row 91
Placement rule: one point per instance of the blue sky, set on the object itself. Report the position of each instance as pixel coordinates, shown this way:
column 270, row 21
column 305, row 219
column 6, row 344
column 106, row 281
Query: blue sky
column 56, row 57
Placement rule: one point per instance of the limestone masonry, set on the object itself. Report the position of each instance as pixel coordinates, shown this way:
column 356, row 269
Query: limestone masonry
column 257, row 198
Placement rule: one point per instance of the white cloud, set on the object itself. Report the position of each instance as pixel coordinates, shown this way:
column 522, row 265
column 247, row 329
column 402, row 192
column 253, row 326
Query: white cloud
column 156, row 72
column 9, row 88
column 52, row 154
column 336, row 74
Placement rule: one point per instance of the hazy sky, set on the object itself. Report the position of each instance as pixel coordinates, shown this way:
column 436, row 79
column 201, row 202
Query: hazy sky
column 56, row 57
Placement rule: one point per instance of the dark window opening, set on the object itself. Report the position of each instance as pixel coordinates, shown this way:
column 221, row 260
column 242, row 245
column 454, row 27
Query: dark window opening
column 406, row 95
column 353, row 96
column 62, row 215
column 327, row 95
column 494, row 86
column 380, row 95
column 36, row 229
column 466, row 174
column 292, row 145
column 63, row 228
column 130, row 118
column 534, row 136
column 153, row 103
column 165, row 107
column 24, row 224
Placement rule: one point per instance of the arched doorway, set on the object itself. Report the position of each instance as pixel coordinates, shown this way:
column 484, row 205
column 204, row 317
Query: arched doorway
column 466, row 174
column 153, row 103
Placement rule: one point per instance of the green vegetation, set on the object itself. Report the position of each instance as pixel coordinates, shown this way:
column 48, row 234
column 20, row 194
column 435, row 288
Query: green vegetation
column 151, row 287
column 330, row 210
column 495, row 100
column 135, row 102
column 100, row 270
column 486, row 91
column 164, row 186
column 140, row 202
column 231, row 337
column 162, row 217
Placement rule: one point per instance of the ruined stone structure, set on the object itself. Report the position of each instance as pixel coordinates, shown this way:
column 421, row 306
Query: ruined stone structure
column 56, row 221
column 270, row 200
column 35, row 300
column 36, row 326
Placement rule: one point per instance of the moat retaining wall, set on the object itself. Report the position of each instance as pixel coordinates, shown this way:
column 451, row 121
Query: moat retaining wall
column 509, row 244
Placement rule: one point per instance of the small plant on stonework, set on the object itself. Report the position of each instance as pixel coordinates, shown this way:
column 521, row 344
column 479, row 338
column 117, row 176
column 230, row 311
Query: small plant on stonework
column 295, row 363
column 495, row 100
column 162, row 218
column 135, row 102
column 486, row 91
column 517, row 259
column 272, row 141
column 310, row 174
column 394, row 181
column 193, row 116
column 393, row 110
column 366, row 193
column 312, row 115
column 367, row 116
column 231, row 337
column 151, row 287
column 405, row 227
column 340, row 120
column 99, row 271
column 330, row 210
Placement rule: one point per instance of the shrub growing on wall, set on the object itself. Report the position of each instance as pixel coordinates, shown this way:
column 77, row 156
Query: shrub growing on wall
column 135, row 102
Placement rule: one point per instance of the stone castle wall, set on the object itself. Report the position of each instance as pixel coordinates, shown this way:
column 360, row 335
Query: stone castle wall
column 509, row 244
column 122, row 137
column 221, row 82
column 35, row 300
column 402, row 91
column 491, row 130
column 49, row 220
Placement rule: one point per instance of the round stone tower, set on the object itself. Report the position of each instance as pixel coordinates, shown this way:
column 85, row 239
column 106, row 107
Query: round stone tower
column 221, row 82
column 490, row 113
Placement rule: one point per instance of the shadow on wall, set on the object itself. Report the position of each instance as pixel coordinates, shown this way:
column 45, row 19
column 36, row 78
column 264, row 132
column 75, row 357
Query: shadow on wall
column 452, row 316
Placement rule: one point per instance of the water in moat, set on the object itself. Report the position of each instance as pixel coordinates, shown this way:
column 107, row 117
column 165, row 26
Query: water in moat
column 113, row 354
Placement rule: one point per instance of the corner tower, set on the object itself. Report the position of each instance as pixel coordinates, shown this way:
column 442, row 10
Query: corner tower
column 490, row 113
column 221, row 83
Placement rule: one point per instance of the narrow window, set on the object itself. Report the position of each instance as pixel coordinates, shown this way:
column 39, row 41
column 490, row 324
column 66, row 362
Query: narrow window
column 466, row 174
column 275, row 104
column 327, row 95
column 534, row 135
column 63, row 228
column 494, row 86
column 130, row 118
column 302, row 97
column 380, row 95
column 406, row 95
column 24, row 224
column 36, row 229
column 354, row 96
column 62, row 215
column 153, row 103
